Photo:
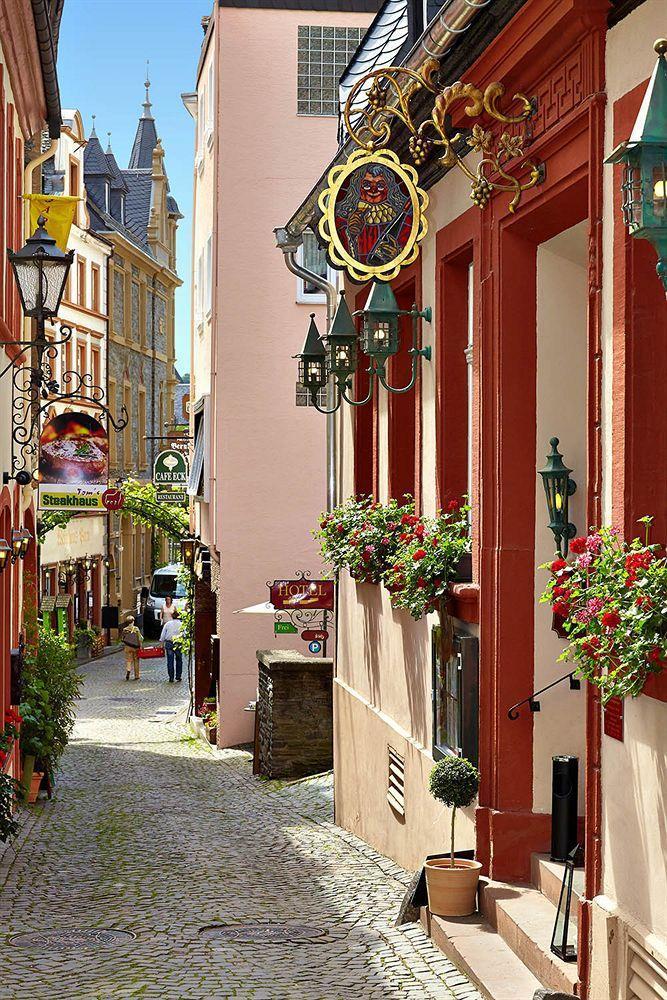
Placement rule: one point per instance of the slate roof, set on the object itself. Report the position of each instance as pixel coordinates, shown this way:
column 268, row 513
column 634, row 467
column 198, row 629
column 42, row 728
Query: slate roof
column 134, row 184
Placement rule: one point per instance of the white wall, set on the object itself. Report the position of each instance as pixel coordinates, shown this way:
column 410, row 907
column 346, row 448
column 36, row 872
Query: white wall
column 562, row 366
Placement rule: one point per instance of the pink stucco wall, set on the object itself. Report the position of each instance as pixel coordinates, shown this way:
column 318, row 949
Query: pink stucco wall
column 269, row 455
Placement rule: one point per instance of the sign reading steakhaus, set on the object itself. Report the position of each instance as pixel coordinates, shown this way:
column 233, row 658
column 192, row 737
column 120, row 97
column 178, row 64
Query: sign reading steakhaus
column 73, row 463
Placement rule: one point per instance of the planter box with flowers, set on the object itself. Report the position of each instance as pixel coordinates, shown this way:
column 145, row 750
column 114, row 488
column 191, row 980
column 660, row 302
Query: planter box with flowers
column 610, row 602
column 363, row 536
column 417, row 558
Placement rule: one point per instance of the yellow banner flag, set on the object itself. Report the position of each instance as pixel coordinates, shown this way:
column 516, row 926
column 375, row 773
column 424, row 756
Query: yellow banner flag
column 58, row 210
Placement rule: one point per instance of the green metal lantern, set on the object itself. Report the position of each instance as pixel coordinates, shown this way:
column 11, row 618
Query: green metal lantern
column 342, row 342
column 644, row 159
column 558, row 488
column 379, row 336
column 312, row 359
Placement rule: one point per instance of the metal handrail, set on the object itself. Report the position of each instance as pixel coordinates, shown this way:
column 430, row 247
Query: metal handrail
column 575, row 685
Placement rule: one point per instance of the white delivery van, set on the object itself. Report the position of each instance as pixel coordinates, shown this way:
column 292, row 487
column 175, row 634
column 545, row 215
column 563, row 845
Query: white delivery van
column 164, row 583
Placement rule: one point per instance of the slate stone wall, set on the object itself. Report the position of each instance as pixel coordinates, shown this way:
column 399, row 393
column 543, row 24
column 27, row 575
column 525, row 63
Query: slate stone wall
column 295, row 714
column 126, row 363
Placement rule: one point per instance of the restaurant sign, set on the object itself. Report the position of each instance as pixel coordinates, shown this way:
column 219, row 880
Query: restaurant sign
column 73, row 467
column 170, row 469
column 171, row 496
column 315, row 595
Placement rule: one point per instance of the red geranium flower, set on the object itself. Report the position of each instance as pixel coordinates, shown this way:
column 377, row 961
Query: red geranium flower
column 578, row 545
column 419, row 554
column 340, row 529
column 421, row 582
column 454, row 505
column 561, row 608
column 611, row 619
column 557, row 565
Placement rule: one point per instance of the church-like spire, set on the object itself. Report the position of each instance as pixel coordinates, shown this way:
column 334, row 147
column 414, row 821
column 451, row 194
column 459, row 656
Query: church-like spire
column 141, row 157
column 147, row 102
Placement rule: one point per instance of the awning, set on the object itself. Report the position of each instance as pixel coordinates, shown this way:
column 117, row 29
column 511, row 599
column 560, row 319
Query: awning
column 257, row 609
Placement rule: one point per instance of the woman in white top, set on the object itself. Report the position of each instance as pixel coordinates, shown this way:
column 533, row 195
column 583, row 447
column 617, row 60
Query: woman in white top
column 168, row 610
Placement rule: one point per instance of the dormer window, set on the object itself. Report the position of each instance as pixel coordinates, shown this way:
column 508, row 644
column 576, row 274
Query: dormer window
column 107, row 189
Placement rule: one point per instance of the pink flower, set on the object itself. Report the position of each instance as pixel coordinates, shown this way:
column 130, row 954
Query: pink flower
column 595, row 605
column 385, row 541
column 594, row 543
column 584, row 560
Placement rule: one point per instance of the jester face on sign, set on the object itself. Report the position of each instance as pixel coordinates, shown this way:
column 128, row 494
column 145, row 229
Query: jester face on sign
column 374, row 215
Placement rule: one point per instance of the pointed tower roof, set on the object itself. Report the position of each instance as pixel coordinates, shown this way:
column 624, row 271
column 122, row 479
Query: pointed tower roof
column 117, row 179
column 145, row 140
column 94, row 159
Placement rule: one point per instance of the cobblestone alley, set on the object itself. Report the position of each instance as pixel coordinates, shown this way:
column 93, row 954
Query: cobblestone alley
column 152, row 834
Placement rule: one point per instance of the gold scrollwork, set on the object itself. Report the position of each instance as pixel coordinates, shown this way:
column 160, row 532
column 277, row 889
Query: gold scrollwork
column 387, row 99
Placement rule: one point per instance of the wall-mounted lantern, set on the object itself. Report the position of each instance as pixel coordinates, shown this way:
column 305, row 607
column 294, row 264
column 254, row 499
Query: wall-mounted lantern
column 379, row 340
column 21, row 539
column 558, row 488
column 644, row 159
column 5, row 553
column 68, row 570
column 189, row 552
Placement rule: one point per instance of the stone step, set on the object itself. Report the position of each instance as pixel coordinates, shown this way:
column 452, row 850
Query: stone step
column 480, row 953
column 525, row 919
column 547, row 876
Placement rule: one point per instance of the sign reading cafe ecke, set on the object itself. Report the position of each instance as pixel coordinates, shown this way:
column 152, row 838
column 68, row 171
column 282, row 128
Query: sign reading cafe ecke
column 315, row 595
column 170, row 469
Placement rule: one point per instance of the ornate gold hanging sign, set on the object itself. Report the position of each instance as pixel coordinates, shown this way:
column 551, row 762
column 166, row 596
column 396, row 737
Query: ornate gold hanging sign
column 373, row 208
column 373, row 215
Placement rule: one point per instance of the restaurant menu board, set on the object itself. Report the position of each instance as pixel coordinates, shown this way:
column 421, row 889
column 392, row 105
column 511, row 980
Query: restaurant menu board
column 73, row 463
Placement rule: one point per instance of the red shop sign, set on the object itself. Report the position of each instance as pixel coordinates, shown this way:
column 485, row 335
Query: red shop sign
column 113, row 499
column 317, row 595
column 613, row 718
column 314, row 635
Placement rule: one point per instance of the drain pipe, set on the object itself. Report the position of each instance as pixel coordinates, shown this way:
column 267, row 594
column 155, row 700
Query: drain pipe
column 289, row 245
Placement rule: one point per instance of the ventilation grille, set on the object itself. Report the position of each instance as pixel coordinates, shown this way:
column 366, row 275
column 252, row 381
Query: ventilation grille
column 647, row 976
column 396, row 787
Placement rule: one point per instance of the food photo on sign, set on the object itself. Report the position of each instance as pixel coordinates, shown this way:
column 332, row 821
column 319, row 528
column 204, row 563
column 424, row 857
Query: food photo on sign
column 73, row 463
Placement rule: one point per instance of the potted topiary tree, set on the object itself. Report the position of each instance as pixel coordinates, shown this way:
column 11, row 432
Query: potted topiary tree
column 452, row 882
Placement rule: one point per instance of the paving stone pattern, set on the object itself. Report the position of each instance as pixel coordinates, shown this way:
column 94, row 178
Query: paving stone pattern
column 152, row 833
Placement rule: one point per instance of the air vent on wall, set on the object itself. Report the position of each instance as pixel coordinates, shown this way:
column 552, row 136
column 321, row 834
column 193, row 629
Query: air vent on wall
column 396, row 786
column 647, row 975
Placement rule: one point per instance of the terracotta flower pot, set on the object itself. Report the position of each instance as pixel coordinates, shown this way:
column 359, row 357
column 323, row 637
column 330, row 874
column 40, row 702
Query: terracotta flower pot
column 452, row 892
column 35, row 783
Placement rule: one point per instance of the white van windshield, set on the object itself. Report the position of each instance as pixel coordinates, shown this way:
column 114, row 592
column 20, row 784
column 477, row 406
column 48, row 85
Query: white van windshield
column 165, row 585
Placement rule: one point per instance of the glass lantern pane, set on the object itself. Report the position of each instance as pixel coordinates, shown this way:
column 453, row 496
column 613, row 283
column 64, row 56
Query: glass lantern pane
column 27, row 276
column 54, row 274
column 660, row 191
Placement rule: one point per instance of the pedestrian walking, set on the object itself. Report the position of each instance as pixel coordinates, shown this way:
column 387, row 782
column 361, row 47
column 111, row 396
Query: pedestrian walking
column 132, row 641
column 170, row 631
column 168, row 610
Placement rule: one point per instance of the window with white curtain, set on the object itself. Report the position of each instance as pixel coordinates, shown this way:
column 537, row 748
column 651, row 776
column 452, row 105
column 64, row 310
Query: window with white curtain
column 311, row 256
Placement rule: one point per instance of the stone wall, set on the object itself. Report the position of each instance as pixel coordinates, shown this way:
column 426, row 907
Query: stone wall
column 295, row 714
column 126, row 363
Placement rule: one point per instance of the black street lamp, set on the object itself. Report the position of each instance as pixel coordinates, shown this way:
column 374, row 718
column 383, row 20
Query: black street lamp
column 558, row 488
column 189, row 552
column 40, row 269
column 644, row 159
column 312, row 361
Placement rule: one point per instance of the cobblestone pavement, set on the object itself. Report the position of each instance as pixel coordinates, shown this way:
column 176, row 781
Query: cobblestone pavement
column 152, row 833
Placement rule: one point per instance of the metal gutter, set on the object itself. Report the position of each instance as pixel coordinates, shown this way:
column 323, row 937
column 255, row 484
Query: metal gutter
column 47, row 58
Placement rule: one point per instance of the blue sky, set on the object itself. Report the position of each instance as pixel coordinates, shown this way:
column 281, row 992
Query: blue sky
column 103, row 48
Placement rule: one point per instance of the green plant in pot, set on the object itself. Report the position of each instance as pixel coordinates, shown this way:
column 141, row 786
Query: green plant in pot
column 452, row 882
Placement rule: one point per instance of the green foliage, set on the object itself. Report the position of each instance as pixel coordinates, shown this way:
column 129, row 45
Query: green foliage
column 9, row 787
column 611, row 598
column 428, row 558
column 185, row 638
column 51, row 688
column 362, row 536
column 454, row 781
column 140, row 502
column 50, row 519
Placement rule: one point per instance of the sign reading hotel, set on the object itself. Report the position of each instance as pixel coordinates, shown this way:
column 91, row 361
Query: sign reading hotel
column 73, row 467
column 170, row 469
column 315, row 595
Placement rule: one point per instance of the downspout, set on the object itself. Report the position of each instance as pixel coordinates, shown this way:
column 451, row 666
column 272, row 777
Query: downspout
column 289, row 246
